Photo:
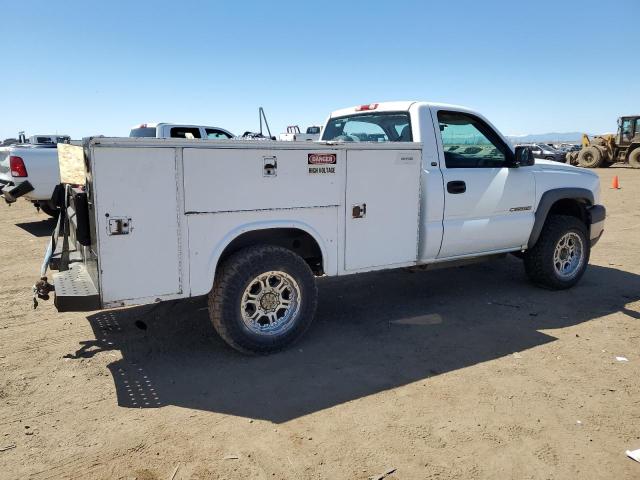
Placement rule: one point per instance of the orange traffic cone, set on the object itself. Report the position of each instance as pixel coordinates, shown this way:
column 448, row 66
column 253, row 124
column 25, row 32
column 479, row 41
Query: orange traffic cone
column 615, row 184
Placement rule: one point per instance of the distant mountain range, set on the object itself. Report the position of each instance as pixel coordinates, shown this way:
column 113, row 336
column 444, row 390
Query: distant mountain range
column 568, row 137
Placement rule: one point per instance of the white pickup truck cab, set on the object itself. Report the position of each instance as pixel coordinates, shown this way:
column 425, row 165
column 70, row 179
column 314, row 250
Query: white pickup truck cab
column 250, row 224
column 174, row 130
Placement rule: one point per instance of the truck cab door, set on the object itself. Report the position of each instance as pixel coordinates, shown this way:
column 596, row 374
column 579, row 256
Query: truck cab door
column 488, row 205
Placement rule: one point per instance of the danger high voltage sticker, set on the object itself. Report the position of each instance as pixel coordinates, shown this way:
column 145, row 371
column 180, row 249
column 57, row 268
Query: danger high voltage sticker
column 322, row 163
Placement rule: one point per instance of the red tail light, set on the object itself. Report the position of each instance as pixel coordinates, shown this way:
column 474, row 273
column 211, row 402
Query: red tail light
column 17, row 167
column 364, row 108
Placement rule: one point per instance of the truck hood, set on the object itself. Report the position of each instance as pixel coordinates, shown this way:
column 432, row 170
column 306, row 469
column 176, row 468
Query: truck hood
column 551, row 175
column 545, row 165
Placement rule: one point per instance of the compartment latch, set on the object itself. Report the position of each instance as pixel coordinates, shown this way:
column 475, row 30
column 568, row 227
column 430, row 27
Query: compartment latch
column 120, row 226
column 270, row 167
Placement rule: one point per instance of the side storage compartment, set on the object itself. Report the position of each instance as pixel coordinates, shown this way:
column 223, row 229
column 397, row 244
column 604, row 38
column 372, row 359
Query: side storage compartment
column 382, row 208
column 137, row 223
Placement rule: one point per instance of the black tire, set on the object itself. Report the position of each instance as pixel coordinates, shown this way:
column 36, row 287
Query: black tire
column 49, row 210
column 539, row 260
column 590, row 157
column 238, row 275
column 572, row 158
column 634, row 158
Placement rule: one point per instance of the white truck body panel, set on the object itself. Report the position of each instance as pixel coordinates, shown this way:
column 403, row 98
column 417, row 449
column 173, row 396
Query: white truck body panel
column 244, row 186
column 367, row 205
column 220, row 229
column 389, row 186
column 137, row 265
column 197, row 197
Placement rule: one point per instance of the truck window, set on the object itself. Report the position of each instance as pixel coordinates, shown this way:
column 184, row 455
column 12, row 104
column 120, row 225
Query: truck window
column 185, row 132
column 380, row 127
column 143, row 132
column 468, row 142
column 214, row 134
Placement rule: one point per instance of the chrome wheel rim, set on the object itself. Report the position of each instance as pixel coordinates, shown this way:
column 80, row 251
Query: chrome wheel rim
column 270, row 303
column 568, row 255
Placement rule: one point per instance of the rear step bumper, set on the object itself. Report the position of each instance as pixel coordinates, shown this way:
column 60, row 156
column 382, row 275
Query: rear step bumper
column 74, row 290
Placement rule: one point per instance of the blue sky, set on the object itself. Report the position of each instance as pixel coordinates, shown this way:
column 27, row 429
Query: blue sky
column 84, row 67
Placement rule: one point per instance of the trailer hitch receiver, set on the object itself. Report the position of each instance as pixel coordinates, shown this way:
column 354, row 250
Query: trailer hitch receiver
column 41, row 290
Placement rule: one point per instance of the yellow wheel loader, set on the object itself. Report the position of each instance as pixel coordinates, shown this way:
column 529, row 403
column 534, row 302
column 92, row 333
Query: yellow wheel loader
column 605, row 150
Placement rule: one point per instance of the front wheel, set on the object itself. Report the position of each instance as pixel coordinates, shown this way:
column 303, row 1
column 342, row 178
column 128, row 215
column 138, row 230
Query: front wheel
column 263, row 299
column 560, row 257
column 590, row 157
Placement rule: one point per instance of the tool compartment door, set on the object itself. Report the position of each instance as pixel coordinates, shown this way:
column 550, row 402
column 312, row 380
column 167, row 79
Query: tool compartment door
column 137, row 222
column 382, row 208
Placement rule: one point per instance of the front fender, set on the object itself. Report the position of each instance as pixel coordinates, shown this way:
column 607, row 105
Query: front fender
column 546, row 202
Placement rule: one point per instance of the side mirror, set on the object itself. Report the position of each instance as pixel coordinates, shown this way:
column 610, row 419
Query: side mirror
column 523, row 157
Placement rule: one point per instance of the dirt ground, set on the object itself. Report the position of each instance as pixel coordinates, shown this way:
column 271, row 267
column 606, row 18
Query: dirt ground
column 466, row 373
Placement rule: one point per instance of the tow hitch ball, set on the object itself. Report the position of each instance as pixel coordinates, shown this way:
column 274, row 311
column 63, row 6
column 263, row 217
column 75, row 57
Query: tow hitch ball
column 41, row 290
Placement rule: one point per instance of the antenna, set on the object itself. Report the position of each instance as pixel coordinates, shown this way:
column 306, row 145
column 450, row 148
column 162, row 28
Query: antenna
column 261, row 115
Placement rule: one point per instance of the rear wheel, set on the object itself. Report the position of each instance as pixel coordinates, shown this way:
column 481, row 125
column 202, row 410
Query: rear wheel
column 590, row 157
column 561, row 255
column 263, row 299
column 634, row 158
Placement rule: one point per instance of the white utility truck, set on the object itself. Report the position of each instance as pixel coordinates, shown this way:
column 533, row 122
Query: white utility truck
column 251, row 224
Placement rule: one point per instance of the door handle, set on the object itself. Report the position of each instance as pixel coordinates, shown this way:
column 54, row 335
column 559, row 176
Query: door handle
column 456, row 186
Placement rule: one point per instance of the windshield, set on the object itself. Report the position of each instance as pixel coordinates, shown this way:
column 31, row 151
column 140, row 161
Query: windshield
column 377, row 127
column 143, row 132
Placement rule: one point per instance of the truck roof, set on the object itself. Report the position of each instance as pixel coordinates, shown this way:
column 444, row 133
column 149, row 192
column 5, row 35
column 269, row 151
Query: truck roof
column 400, row 106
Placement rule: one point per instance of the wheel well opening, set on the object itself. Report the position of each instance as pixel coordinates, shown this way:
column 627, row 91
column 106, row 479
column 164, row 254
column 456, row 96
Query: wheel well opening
column 571, row 207
column 294, row 239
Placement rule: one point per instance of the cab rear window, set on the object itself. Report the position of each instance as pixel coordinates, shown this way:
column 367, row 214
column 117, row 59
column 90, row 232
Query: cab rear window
column 378, row 127
column 143, row 132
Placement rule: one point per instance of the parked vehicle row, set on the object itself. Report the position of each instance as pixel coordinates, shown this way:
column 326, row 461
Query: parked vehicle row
column 252, row 224
column 547, row 152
